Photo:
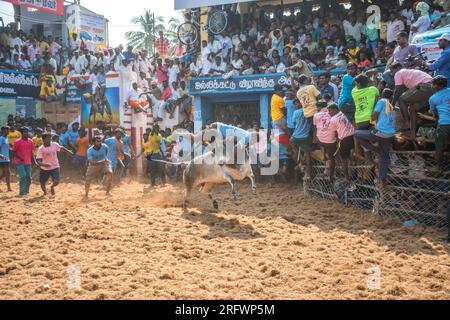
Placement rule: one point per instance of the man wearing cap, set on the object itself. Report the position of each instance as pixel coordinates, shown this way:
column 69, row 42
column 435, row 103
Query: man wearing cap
column 442, row 65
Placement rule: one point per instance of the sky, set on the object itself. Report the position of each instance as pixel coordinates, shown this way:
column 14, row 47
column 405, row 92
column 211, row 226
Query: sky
column 119, row 14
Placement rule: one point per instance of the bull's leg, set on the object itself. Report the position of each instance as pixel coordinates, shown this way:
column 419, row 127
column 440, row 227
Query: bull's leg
column 206, row 189
column 233, row 187
column 252, row 179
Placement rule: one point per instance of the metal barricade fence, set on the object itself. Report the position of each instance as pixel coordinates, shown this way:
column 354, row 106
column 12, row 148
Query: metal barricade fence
column 411, row 194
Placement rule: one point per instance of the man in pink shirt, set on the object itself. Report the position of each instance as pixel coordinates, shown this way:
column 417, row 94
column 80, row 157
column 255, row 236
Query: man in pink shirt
column 33, row 51
column 327, row 138
column 47, row 159
column 412, row 91
column 343, row 129
column 23, row 154
column 161, row 71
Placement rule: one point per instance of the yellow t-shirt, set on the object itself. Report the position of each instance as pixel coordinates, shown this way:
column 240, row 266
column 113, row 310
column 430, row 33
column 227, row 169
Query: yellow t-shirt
column 47, row 91
column 153, row 144
column 44, row 47
column 308, row 98
column 352, row 54
column 276, row 107
column 383, row 30
column 37, row 143
column 13, row 136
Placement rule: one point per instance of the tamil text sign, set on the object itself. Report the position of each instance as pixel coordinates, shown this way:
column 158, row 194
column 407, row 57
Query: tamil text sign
column 248, row 84
column 19, row 84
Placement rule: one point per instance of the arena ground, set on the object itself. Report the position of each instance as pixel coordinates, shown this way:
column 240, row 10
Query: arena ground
column 139, row 244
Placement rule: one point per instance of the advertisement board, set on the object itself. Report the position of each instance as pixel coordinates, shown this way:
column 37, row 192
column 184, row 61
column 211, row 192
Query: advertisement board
column 52, row 6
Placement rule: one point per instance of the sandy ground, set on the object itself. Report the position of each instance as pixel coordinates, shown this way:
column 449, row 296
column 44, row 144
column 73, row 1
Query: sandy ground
column 275, row 245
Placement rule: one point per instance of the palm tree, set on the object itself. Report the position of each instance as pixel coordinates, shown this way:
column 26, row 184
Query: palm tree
column 150, row 25
column 171, row 32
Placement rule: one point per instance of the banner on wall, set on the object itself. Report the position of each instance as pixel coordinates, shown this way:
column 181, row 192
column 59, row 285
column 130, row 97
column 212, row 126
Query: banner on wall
column 19, row 84
column 89, row 26
column 104, row 106
column 52, row 6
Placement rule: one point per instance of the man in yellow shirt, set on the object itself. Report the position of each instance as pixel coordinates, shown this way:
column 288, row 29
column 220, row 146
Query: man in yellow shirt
column 277, row 109
column 13, row 136
column 352, row 51
column 44, row 46
column 308, row 95
column 152, row 149
column 37, row 140
column 48, row 91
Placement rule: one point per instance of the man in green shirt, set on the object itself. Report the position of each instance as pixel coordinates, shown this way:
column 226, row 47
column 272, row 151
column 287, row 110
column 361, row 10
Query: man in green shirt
column 156, row 91
column 37, row 64
column 365, row 98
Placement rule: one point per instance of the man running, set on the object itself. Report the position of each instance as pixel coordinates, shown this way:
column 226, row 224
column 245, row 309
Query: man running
column 98, row 164
column 4, row 157
column 23, row 156
column 47, row 159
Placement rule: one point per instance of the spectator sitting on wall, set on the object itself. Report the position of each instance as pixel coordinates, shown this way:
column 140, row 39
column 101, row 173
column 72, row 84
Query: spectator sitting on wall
column 48, row 91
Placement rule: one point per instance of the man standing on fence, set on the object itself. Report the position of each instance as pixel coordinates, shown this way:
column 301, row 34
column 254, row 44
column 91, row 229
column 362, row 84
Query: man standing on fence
column 439, row 106
column 383, row 134
column 344, row 131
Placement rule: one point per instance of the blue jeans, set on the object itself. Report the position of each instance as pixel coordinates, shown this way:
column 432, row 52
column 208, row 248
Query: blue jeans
column 372, row 45
column 367, row 139
column 24, row 171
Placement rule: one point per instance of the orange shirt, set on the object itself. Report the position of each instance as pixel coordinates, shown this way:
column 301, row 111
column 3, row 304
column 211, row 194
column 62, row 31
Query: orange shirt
column 120, row 154
column 83, row 144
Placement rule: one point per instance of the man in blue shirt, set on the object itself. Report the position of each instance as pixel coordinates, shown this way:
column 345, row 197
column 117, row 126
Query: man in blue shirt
column 345, row 102
column 98, row 164
column 440, row 107
column 73, row 136
column 64, row 136
column 301, row 138
column 289, row 105
column 442, row 65
column 4, row 157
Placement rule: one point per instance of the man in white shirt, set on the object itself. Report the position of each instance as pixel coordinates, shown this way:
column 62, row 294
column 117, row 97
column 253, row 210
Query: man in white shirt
column 75, row 42
column 394, row 28
column 173, row 72
column 133, row 98
column 218, row 68
column 352, row 28
column 24, row 63
column 74, row 60
column 423, row 23
column 143, row 83
column 214, row 45
column 227, row 45
column 206, row 66
column 231, row 72
column 94, row 80
column 86, row 62
column 14, row 40
column 50, row 60
column 279, row 66
column 236, row 61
